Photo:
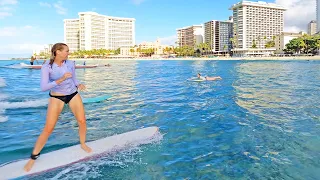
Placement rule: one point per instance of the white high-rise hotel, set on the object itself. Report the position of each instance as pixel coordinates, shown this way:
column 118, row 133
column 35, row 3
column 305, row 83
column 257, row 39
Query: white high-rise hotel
column 190, row 36
column 256, row 22
column 318, row 15
column 95, row 31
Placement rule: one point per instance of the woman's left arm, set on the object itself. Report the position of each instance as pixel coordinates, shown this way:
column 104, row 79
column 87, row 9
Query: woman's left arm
column 74, row 78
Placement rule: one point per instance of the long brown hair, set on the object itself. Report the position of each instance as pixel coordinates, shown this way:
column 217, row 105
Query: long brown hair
column 54, row 49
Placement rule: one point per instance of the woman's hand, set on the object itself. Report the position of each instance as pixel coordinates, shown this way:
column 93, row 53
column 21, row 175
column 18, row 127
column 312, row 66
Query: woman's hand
column 67, row 75
column 82, row 87
column 64, row 77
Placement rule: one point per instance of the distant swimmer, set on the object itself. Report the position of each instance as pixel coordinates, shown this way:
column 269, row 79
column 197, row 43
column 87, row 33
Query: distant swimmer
column 206, row 78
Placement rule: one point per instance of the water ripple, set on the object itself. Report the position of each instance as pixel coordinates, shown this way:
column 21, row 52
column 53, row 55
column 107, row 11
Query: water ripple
column 261, row 121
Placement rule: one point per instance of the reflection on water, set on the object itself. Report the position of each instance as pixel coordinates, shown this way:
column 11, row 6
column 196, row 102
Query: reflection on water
column 261, row 121
column 274, row 91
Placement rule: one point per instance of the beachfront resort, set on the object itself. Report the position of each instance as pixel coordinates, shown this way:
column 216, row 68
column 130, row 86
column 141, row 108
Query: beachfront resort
column 161, row 119
column 255, row 30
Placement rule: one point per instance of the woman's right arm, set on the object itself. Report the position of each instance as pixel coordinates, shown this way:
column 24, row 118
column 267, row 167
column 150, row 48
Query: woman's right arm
column 45, row 81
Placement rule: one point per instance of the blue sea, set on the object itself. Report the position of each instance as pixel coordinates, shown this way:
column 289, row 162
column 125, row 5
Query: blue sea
column 261, row 121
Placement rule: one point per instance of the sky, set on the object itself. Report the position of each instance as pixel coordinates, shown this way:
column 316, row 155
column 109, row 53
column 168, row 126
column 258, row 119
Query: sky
column 30, row 24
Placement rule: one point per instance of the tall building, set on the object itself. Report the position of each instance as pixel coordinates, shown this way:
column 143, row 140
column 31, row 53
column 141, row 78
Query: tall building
column 218, row 34
column 256, row 23
column 96, row 31
column 159, row 49
column 284, row 38
column 71, row 34
column 318, row 15
column 190, row 36
column 312, row 27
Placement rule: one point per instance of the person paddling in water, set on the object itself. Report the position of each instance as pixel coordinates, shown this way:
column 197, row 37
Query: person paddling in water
column 206, row 78
column 32, row 59
column 58, row 76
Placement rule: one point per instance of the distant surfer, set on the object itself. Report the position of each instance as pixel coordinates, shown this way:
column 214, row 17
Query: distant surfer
column 206, row 78
column 64, row 90
column 32, row 59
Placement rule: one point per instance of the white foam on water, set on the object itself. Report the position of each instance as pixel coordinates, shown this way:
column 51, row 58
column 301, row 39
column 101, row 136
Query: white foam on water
column 2, row 82
column 15, row 66
column 119, row 158
column 3, row 96
column 16, row 105
column 3, row 119
column 24, row 104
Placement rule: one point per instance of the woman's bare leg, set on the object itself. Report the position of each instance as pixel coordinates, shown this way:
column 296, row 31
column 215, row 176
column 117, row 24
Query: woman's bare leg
column 77, row 108
column 55, row 107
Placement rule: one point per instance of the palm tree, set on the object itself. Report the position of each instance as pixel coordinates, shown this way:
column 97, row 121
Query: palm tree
column 318, row 45
column 131, row 51
column 254, row 45
column 302, row 45
column 259, row 41
column 234, row 41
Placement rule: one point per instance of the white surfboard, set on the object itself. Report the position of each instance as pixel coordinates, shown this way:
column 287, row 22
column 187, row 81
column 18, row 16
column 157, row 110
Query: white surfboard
column 73, row 154
column 196, row 80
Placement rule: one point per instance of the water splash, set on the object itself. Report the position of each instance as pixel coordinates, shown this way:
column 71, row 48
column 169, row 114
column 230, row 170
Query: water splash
column 118, row 158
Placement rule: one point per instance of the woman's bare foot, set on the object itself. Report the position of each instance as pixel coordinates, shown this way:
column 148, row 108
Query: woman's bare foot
column 29, row 165
column 86, row 148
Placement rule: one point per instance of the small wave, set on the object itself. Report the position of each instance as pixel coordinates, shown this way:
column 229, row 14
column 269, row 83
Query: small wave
column 243, row 124
column 3, row 96
column 2, row 82
column 15, row 66
column 202, row 156
column 24, row 104
column 3, row 119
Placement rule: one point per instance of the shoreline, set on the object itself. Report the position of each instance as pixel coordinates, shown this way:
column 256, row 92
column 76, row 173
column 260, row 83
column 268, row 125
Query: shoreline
column 200, row 58
column 208, row 59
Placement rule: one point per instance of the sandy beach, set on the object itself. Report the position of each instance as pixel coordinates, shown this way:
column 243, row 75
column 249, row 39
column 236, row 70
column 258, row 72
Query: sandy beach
column 199, row 58
column 204, row 58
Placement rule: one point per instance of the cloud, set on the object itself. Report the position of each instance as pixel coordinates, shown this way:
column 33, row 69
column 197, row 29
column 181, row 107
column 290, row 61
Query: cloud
column 27, row 27
column 20, row 31
column 137, row 2
column 6, row 11
column 44, row 4
column 58, row 6
column 5, row 14
column 5, row 8
column 170, row 40
column 21, row 39
column 20, row 48
column 8, row 32
column 299, row 13
column 8, row 2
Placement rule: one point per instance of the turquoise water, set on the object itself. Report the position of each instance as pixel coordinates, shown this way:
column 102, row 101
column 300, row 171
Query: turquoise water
column 262, row 121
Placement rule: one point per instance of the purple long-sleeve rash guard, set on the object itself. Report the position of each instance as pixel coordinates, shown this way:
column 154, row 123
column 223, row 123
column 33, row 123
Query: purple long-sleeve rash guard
column 49, row 75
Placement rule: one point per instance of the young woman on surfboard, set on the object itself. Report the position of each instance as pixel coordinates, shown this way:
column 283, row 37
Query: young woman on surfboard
column 58, row 76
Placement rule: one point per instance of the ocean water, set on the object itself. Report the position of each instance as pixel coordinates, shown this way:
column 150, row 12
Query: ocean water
column 261, row 121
